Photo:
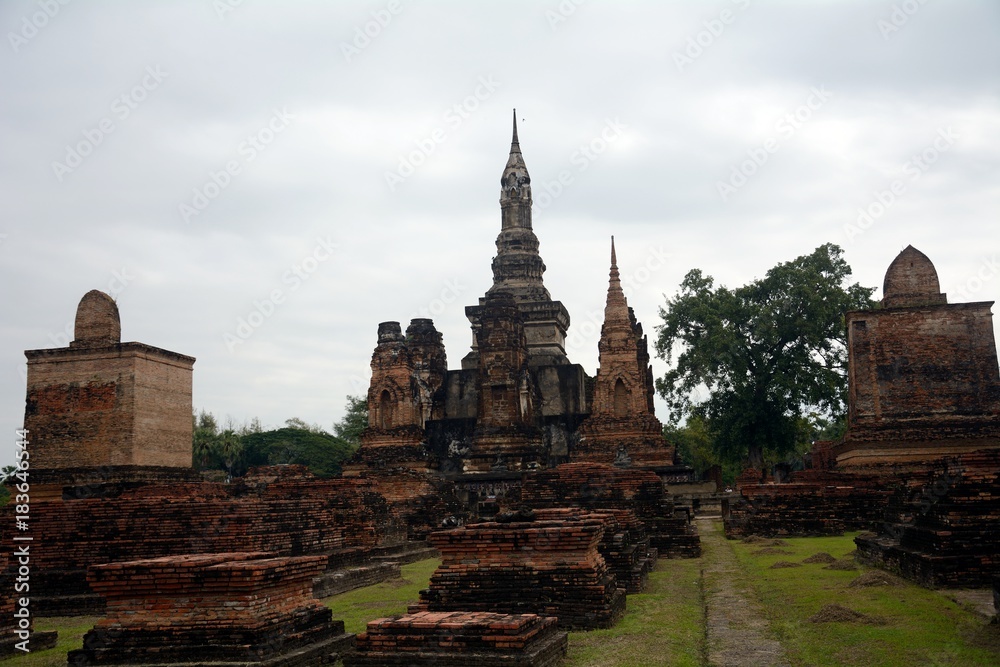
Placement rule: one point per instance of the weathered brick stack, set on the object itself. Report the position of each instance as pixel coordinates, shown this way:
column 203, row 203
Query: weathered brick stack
column 219, row 609
column 597, row 486
column 460, row 639
column 281, row 510
column 944, row 532
column 418, row 501
column 550, row 568
column 815, row 502
column 622, row 421
column 624, row 546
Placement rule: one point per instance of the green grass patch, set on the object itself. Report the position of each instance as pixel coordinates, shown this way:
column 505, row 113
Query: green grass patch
column 390, row 598
column 71, row 630
column 662, row 626
column 922, row 627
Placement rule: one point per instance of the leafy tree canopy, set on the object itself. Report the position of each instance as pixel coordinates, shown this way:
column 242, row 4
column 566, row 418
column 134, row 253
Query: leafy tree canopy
column 769, row 354
column 235, row 448
column 354, row 422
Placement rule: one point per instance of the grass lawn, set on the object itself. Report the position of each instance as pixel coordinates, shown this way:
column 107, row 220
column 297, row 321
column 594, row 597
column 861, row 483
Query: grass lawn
column 71, row 630
column 666, row 624
column 662, row 626
column 390, row 598
column 922, row 627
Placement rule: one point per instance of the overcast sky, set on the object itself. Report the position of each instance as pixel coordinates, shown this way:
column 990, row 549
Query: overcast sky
column 333, row 165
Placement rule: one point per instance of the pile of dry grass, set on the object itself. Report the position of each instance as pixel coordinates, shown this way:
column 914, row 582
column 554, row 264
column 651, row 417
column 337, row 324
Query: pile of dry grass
column 821, row 557
column 783, row 564
column 874, row 578
column 834, row 613
column 842, row 564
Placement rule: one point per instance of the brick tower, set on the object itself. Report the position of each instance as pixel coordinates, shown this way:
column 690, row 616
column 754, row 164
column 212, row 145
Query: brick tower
column 621, row 423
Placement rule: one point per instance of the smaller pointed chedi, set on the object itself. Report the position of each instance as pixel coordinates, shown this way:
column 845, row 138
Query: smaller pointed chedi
column 622, row 412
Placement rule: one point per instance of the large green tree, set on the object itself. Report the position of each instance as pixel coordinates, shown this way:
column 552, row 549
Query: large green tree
column 354, row 422
column 756, row 361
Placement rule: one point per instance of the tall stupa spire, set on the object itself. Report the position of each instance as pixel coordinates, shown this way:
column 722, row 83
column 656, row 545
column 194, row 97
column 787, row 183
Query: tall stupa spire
column 515, row 147
column 616, row 308
column 517, row 267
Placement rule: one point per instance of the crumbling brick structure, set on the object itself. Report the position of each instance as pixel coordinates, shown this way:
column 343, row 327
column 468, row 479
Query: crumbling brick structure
column 549, row 568
column 282, row 510
column 459, row 639
column 596, row 486
column 220, row 609
column 923, row 374
column 940, row 530
column 517, row 403
column 621, row 416
column 923, row 411
column 624, row 546
column 111, row 479
column 505, row 426
column 101, row 402
column 815, row 502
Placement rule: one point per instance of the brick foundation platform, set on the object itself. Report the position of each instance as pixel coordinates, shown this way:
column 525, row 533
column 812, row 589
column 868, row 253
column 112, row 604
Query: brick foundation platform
column 596, row 486
column 814, row 502
column 550, row 568
column 624, row 546
column 460, row 639
column 944, row 532
column 283, row 510
column 220, row 609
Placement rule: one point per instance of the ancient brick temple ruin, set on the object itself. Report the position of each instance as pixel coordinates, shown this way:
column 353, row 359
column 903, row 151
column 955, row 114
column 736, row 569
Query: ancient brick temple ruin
column 459, row 639
column 921, row 456
column 109, row 430
column 518, row 403
column 212, row 610
column 100, row 402
column 524, row 564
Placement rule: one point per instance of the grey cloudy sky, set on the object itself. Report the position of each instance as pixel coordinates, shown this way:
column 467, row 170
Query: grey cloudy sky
column 334, row 165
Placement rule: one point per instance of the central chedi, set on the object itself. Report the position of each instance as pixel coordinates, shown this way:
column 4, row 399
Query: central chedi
column 517, row 271
column 517, row 403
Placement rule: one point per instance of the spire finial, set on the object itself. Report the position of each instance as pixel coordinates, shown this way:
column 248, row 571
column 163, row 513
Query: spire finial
column 515, row 147
column 616, row 308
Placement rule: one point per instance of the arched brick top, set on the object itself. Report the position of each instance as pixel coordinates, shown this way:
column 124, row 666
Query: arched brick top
column 911, row 280
column 97, row 321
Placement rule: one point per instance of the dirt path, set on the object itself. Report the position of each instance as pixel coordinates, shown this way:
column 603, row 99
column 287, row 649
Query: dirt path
column 738, row 633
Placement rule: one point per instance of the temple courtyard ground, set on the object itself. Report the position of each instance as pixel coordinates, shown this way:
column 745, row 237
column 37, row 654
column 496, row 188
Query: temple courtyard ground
column 795, row 601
